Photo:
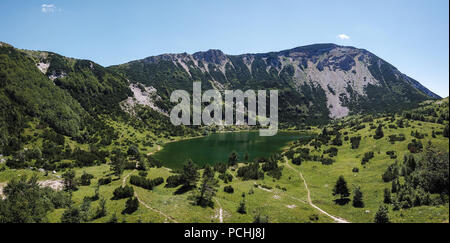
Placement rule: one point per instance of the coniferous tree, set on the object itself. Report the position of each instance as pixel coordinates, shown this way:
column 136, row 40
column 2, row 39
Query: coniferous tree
column 133, row 150
column 241, row 209
column 358, row 198
column 379, row 132
column 232, row 159
column 70, row 183
column 259, row 218
column 26, row 202
column 85, row 179
column 208, row 172
column 71, row 215
column 117, row 164
column 341, row 188
column 382, row 216
column 131, row 205
column 446, row 131
column 395, row 185
column 101, row 209
column 208, row 188
column 387, row 196
column 190, row 174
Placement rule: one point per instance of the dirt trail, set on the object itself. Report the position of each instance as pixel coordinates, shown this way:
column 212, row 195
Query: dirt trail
column 262, row 188
column 336, row 219
column 157, row 149
column 220, row 211
column 124, row 181
column 154, row 209
column 268, row 190
column 2, row 185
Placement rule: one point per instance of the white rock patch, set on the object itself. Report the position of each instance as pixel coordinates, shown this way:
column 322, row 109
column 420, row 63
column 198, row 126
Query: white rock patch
column 2, row 185
column 56, row 185
column 146, row 98
column 43, row 67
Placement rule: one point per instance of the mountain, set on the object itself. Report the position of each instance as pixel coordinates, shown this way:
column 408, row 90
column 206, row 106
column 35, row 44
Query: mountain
column 315, row 82
column 25, row 92
column 71, row 97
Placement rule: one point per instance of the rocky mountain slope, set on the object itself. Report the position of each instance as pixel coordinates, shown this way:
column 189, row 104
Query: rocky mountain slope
column 316, row 81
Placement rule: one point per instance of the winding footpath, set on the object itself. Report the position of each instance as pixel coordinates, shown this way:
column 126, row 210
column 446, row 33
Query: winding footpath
column 336, row 219
column 154, row 209
column 124, row 181
column 220, row 211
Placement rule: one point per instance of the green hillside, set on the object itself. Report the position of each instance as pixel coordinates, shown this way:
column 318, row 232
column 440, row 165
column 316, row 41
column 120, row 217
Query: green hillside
column 90, row 132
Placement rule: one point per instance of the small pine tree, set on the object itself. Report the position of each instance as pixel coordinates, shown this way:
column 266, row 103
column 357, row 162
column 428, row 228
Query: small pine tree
column 133, row 150
column 395, row 185
column 387, row 196
column 241, row 209
column 85, row 179
column 379, row 132
column 101, row 209
column 232, row 159
column 131, row 205
column 205, row 192
column 382, row 217
column 446, row 131
column 260, row 219
column 117, row 165
column 70, row 184
column 190, row 174
column 72, row 215
column 341, row 188
column 358, row 198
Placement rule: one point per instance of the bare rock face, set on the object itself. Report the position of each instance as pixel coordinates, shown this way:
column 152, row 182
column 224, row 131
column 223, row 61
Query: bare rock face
column 211, row 56
column 142, row 95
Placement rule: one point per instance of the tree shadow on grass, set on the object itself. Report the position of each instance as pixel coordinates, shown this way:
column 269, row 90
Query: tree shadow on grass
column 342, row 201
column 183, row 189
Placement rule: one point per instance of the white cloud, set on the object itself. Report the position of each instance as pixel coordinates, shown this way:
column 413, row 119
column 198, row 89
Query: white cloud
column 48, row 8
column 343, row 37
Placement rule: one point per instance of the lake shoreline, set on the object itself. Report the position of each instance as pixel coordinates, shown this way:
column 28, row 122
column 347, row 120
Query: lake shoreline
column 220, row 147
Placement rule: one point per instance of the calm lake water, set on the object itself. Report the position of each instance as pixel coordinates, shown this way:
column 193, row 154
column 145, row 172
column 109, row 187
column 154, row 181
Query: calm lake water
column 216, row 148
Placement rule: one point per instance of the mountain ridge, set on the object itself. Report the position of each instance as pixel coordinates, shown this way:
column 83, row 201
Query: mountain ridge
column 316, row 82
column 345, row 74
column 217, row 54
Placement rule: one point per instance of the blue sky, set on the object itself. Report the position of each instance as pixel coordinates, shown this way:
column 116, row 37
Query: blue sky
column 412, row 35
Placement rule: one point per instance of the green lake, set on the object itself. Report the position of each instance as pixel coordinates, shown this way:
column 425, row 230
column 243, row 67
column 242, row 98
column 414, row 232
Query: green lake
column 217, row 147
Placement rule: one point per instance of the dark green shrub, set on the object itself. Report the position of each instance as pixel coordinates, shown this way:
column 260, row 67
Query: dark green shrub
column 123, row 192
column 355, row 142
column 104, row 181
column 85, row 179
column 174, row 181
column 228, row 189
column 131, row 205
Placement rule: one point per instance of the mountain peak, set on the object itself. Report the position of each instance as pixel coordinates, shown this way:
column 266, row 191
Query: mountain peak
column 212, row 56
